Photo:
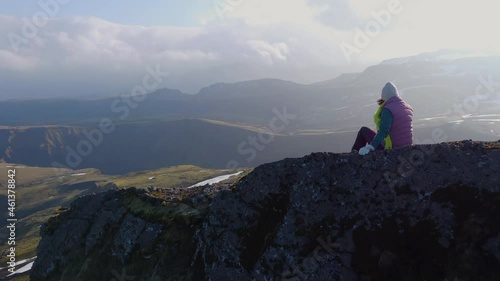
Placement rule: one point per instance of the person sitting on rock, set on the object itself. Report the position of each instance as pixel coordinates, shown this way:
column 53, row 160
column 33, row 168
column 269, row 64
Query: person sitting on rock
column 393, row 120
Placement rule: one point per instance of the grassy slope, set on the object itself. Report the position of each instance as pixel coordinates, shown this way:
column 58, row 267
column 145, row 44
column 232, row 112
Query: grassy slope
column 40, row 192
column 183, row 175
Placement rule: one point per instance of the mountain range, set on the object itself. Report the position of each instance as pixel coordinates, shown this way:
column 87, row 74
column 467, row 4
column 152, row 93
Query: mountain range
column 253, row 122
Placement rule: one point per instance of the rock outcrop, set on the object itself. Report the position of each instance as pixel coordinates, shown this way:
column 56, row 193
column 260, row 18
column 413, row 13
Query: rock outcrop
column 427, row 212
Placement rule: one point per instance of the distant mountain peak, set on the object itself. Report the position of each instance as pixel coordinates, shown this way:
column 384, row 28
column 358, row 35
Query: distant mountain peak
column 437, row 56
column 266, row 83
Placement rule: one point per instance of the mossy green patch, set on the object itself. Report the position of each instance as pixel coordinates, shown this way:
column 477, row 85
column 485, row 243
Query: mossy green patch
column 492, row 145
column 168, row 256
column 163, row 213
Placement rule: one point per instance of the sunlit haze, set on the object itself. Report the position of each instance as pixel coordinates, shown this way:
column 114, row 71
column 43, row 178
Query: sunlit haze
column 91, row 48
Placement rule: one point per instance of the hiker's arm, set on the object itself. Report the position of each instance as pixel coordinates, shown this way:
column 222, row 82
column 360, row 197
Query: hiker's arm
column 385, row 128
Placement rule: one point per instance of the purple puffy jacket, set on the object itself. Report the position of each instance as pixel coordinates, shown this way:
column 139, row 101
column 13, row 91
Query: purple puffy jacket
column 401, row 132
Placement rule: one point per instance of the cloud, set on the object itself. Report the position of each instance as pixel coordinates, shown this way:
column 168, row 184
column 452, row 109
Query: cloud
column 336, row 13
column 15, row 62
column 262, row 12
column 296, row 40
column 68, row 53
column 270, row 52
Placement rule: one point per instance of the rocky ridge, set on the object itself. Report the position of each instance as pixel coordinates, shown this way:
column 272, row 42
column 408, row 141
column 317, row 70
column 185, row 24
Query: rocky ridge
column 426, row 212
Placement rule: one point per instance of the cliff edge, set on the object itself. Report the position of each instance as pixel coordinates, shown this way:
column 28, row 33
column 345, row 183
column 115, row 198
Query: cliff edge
column 427, row 212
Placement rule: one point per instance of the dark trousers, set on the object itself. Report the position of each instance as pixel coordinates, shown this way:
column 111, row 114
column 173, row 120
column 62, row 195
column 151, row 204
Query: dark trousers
column 365, row 136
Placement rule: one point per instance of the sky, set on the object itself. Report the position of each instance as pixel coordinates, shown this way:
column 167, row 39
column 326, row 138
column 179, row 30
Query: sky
column 90, row 48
